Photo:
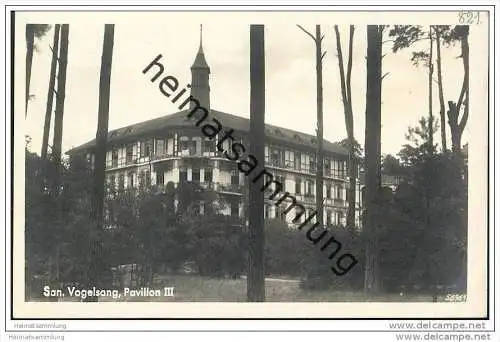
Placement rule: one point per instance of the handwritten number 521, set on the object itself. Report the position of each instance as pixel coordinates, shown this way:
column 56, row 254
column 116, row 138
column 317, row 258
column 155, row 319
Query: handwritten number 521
column 468, row 17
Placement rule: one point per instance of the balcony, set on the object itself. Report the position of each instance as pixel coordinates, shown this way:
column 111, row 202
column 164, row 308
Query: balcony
column 159, row 156
column 207, row 185
column 188, row 153
column 339, row 202
column 120, row 162
column 229, row 188
column 198, row 154
column 309, row 196
column 210, row 154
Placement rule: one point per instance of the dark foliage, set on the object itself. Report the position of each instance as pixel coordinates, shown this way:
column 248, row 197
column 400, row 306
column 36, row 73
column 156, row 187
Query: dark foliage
column 56, row 220
column 317, row 273
column 423, row 243
column 424, row 236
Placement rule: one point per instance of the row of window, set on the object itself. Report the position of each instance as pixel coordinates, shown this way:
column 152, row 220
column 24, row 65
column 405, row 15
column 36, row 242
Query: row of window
column 186, row 147
column 146, row 149
column 195, row 175
column 306, row 162
column 132, row 181
column 275, row 156
column 192, row 145
column 309, row 187
column 145, row 178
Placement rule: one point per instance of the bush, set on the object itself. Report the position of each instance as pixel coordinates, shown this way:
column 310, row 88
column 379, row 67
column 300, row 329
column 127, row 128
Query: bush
column 216, row 243
column 318, row 274
column 282, row 251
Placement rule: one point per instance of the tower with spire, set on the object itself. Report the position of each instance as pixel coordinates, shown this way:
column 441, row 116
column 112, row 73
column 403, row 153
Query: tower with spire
column 200, row 73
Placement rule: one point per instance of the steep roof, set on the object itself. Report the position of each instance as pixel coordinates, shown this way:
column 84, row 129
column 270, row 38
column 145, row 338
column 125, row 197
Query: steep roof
column 237, row 123
column 200, row 62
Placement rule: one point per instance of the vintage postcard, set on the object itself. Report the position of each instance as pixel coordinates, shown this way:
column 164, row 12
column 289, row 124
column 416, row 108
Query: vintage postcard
column 250, row 164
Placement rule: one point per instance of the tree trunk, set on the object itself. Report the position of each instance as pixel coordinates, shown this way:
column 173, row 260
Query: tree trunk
column 457, row 125
column 319, row 130
column 372, row 152
column 453, row 113
column 465, row 56
column 431, row 117
column 255, row 280
column 61, row 93
column 442, row 108
column 58, row 131
column 349, row 124
column 30, row 46
column 95, row 266
column 50, row 93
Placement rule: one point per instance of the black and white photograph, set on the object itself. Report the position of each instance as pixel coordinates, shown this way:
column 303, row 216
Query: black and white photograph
column 189, row 163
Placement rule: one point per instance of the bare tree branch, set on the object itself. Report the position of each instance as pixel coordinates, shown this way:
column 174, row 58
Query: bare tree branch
column 309, row 34
column 323, row 55
column 386, row 74
column 52, row 50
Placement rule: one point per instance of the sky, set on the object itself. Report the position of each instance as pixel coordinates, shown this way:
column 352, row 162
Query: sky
column 290, row 78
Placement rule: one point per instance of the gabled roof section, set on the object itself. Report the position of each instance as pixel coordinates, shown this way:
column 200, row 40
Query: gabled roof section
column 228, row 121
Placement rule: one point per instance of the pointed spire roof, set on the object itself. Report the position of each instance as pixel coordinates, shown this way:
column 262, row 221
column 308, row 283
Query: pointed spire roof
column 200, row 62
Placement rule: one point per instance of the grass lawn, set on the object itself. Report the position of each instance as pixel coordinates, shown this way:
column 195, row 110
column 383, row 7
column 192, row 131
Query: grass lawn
column 194, row 288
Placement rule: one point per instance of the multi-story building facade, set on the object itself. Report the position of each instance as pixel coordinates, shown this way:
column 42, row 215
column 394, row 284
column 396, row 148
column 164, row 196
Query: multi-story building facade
column 172, row 149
